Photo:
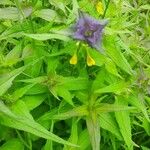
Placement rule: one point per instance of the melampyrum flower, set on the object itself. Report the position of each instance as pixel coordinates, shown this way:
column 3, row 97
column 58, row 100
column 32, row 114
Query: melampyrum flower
column 74, row 59
column 90, row 61
column 99, row 8
column 89, row 30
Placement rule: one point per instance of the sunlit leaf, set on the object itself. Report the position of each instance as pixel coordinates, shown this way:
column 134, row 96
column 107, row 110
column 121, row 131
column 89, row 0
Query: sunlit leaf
column 8, row 118
column 12, row 13
column 114, row 51
column 7, row 79
column 49, row 15
column 123, row 120
column 47, row 36
column 108, row 122
column 75, row 112
column 114, row 88
column 12, row 144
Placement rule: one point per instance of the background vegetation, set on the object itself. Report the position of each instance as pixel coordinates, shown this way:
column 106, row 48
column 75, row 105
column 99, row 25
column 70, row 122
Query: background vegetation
column 48, row 104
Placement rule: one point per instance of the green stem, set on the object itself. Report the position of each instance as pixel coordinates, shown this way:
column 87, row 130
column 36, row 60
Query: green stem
column 78, row 48
column 107, row 4
column 93, row 127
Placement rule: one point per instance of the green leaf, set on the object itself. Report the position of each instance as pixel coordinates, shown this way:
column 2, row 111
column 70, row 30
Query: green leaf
column 71, row 83
column 33, row 101
column 58, row 4
column 74, row 135
column 133, row 54
column 60, row 86
column 37, row 89
column 49, row 15
column 116, row 88
column 123, row 120
column 21, row 91
column 6, row 111
column 114, row 51
column 84, row 140
column 9, row 13
column 144, row 148
column 99, row 81
column 73, row 13
column 8, row 118
column 103, row 108
column 13, row 143
column 146, row 126
column 137, row 102
column 36, row 68
column 48, row 115
column 75, row 112
column 6, row 2
column 13, row 56
column 145, row 7
column 52, row 64
column 20, row 108
column 47, row 36
column 39, row 79
column 64, row 93
column 7, row 79
column 108, row 122
column 111, row 67
column 49, row 143
column 15, row 31
column 12, row 13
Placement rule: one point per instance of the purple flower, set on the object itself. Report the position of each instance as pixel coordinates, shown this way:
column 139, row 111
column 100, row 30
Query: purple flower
column 89, row 30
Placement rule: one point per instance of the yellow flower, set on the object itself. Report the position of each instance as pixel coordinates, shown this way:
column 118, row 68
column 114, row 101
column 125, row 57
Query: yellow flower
column 74, row 59
column 99, row 8
column 90, row 61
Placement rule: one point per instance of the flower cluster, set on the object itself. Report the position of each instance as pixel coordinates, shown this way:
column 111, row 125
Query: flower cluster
column 89, row 30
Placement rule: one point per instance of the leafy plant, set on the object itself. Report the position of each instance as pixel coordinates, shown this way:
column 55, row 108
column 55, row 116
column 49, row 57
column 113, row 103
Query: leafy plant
column 68, row 83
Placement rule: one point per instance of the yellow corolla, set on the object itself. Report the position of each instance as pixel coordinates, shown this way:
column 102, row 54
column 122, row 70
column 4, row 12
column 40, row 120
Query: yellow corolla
column 99, row 8
column 90, row 61
column 74, row 59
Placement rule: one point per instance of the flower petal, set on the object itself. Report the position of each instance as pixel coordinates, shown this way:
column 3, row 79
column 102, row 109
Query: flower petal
column 89, row 30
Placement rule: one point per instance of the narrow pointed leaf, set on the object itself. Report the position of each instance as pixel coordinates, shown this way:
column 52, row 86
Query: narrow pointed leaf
column 103, row 108
column 6, row 80
column 8, row 118
column 108, row 122
column 135, row 101
column 84, row 140
column 123, row 120
column 114, row 88
column 47, row 36
column 117, row 56
column 75, row 112
column 13, row 143
column 74, row 135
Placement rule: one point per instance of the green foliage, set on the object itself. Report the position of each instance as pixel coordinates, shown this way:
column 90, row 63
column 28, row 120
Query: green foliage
column 48, row 104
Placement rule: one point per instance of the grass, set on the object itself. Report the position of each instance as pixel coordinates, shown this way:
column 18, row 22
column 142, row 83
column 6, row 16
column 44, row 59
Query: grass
column 102, row 102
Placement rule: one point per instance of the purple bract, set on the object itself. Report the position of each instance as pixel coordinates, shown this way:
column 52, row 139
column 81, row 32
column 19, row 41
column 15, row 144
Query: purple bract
column 89, row 30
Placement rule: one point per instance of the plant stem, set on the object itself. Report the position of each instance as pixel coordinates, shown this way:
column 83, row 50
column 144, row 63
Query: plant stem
column 107, row 4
